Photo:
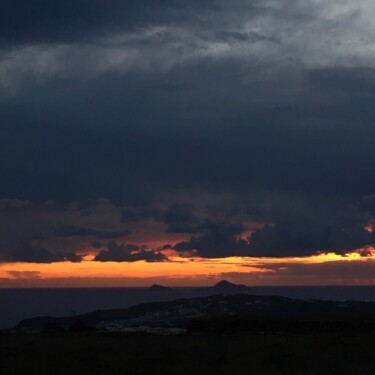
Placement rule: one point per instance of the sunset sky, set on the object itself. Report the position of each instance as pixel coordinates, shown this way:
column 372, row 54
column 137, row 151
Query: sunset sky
column 184, row 142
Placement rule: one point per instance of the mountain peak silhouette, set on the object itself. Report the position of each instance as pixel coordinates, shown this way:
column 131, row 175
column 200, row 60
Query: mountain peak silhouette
column 159, row 288
column 225, row 285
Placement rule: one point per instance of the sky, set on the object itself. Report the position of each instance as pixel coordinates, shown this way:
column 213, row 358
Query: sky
column 181, row 143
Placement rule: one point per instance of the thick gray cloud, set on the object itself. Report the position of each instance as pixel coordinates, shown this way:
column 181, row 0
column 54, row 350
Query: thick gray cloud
column 341, row 233
column 307, row 238
column 128, row 253
column 137, row 214
column 265, row 107
column 30, row 254
column 219, row 241
column 65, row 21
column 180, row 218
column 74, row 231
column 34, row 232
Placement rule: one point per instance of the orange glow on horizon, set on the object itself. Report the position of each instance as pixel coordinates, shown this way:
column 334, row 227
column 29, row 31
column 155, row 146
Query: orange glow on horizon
column 176, row 271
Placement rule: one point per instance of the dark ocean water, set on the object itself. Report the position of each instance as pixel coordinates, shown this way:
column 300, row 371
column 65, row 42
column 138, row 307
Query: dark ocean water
column 18, row 304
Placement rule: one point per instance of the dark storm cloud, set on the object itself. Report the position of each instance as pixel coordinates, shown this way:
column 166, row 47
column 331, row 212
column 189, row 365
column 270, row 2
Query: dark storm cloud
column 35, row 232
column 304, row 239
column 13, row 204
column 343, row 233
column 43, row 21
column 296, row 161
column 74, row 231
column 72, row 257
column 219, row 241
column 300, row 146
column 137, row 214
column 31, row 254
column 152, row 104
column 368, row 205
column 336, row 159
column 180, row 218
column 127, row 253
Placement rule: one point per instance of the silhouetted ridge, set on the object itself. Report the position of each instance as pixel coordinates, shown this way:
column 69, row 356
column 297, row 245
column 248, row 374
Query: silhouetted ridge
column 228, row 311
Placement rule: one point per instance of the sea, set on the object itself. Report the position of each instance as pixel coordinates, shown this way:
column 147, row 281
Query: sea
column 19, row 304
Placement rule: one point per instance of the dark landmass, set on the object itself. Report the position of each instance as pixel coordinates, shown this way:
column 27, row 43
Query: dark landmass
column 159, row 288
column 218, row 354
column 218, row 313
column 219, row 334
column 225, row 286
column 175, row 313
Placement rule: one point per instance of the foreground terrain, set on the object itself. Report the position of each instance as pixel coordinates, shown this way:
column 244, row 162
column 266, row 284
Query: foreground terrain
column 218, row 313
column 130, row 354
column 218, row 334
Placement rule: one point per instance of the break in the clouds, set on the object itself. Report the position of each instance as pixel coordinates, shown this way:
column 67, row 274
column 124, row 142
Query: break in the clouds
column 246, row 127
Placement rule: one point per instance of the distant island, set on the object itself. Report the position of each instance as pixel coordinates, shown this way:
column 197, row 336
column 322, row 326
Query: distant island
column 223, row 286
column 159, row 288
column 228, row 287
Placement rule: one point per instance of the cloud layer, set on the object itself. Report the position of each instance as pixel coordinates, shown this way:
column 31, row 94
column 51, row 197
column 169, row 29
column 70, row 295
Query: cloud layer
column 220, row 128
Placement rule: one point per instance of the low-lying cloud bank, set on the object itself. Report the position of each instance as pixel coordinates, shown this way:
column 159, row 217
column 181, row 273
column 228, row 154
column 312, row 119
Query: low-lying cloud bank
column 102, row 231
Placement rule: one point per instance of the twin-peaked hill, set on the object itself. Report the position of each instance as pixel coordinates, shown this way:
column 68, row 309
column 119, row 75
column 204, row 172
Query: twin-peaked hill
column 223, row 286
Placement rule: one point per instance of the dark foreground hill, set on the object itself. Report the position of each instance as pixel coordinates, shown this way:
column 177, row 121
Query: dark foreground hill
column 218, row 313
column 225, row 334
column 217, row 354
